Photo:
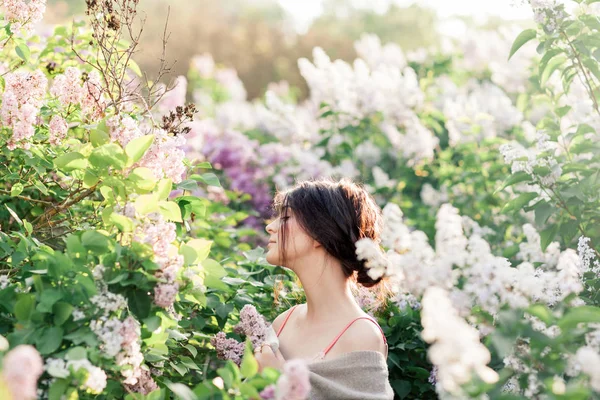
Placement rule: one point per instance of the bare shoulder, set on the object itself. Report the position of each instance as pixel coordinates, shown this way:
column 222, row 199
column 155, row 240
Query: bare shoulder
column 362, row 335
column 280, row 318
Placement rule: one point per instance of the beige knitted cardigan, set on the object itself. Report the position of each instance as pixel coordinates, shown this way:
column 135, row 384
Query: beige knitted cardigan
column 358, row 375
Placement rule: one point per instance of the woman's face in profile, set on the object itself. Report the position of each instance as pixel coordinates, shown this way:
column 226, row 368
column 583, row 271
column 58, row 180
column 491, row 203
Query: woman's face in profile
column 297, row 242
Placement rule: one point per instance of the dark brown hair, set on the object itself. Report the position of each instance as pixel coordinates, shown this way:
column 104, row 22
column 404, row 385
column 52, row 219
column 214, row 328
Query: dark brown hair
column 336, row 214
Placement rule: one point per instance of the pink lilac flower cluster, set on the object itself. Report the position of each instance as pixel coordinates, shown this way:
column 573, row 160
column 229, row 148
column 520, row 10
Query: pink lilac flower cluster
column 160, row 235
column 21, row 368
column 137, row 378
column 71, row 90
column 21, row 103
column 294, row 383
column 228, row 349
column 164, row 157
column 253, row 325
column 22, row 14
column 57, row 128
column 67, row 87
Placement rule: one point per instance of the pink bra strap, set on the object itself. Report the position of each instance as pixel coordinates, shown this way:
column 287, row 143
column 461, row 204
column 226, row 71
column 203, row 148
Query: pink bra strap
column 346, row 328
column 286, row 319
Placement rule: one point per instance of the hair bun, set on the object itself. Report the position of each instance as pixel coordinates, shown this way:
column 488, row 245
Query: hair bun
column 363, row 277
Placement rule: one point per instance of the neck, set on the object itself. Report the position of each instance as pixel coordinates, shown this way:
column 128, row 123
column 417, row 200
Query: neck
column 328, row 294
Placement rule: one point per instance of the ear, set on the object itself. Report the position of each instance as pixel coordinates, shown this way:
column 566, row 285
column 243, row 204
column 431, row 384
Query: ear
column 316, row 244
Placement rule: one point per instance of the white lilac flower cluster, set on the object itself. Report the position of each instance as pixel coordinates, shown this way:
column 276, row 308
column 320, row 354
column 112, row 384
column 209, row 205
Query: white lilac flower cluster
column 357, row 91
column 455, row 347
column 121, row 340
column 95, row 380
column 486, row 50
column 23, row 15
column 21, row 102
column 587, row 256
column 293, row 383
column 375, row 260
column 287, row 122
column 522, row 159
column 530, row 249
column 475, row 111
column 547, row 13
column 589, row 361
column 488, row 281
column 21, row 368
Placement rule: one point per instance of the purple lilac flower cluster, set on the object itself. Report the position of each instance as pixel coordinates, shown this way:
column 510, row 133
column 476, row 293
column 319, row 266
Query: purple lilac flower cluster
column 253, row 325
column 228, row 349
column 236, row 154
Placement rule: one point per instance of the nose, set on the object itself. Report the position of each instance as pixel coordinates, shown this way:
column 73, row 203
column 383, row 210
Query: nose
column 271, row 227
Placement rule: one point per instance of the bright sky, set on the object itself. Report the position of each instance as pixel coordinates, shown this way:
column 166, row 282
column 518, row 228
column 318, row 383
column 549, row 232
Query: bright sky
column 304, row 11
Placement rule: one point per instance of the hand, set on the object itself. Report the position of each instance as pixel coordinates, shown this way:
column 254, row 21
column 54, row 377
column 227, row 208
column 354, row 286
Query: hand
column 267, row 358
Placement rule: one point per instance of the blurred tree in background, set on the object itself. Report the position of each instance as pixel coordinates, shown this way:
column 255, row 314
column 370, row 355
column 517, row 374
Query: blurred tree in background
column 257, row 37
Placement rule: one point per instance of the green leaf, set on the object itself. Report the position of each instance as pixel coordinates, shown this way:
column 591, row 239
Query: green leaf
column 139, row 303
column 542, row 211
column 76, row 353
column 542, row 312
column 164, row 188
column 249, row 366
column 552, row 66
column 24, row 307
column 401, row 387
column 210, row 179
column 547, row 235
column 146, row 203
column 50, row 339
column 170, row 210
column 523, row 38
column 108, row 155
column 13, row 214
column 28, row 226
column 62, row 311
column 547, row 57
column 192, row 350
column 137, row 147
column 123, row 223
column 23, row 52
column 16, row 190
column 519, row 202
column 95, row 242
column 58, row 389
column 203, row 164
column 249, row 391
column 181, row 391
column 71, row 161
column 582, row 314
column 202, row 249
column 47, row 300
column 143, row 178
column 99, row 135
column 515, row 178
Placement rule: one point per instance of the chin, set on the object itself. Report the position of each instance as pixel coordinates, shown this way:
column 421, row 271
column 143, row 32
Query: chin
column 272, row 259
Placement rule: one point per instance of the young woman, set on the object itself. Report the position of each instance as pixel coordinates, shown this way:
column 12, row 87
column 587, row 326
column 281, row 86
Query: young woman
column 314, row 235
